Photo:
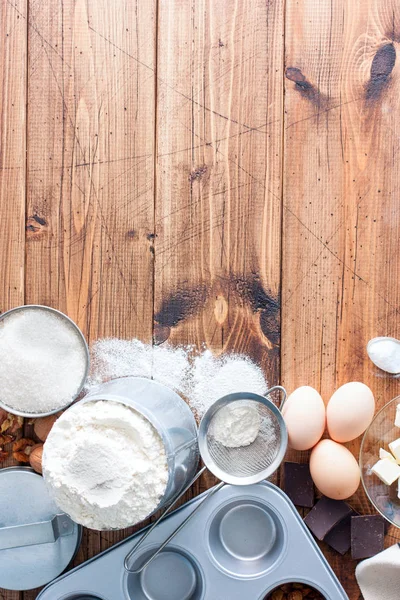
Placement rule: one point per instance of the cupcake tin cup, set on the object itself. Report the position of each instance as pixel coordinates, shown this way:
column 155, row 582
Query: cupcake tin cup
column 244, row 543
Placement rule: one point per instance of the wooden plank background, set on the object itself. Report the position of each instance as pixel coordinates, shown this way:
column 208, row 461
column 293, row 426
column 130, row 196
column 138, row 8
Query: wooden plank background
column 218, row 172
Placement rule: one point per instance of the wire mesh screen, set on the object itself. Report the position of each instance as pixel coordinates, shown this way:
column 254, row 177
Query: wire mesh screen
column 254, row 457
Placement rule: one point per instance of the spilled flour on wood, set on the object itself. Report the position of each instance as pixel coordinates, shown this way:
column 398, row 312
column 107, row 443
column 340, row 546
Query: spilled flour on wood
column 201, row 378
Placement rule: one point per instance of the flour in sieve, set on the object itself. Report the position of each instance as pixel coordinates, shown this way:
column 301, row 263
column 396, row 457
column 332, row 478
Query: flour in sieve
column 105, row 465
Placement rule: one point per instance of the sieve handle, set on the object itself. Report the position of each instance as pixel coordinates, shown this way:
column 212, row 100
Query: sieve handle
column 282, row 390
column 164, row 514
column 176, row 531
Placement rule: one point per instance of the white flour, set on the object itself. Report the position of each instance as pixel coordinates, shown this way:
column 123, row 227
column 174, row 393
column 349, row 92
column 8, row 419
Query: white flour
column 105, row 465
column 42, row 361
column 201, row 378
column 236, row 424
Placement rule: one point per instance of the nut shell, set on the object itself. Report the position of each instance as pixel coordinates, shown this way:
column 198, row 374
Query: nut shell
column 35, row 458
column 43, row 426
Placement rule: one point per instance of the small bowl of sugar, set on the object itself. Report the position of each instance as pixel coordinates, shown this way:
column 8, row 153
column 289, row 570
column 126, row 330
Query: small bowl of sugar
column 44, row 361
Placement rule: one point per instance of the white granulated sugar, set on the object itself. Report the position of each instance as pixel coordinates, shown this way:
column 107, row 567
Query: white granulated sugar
column 216, row 377
column 105, row 465
column 42, row 361
column 236, row 424
column 201, row 379
column 385, row 354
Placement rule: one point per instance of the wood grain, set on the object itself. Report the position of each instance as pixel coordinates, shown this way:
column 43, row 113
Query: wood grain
column 341, row 223
column 165, row 174
column 13, row 69
column 218, row 194
column 91, row 127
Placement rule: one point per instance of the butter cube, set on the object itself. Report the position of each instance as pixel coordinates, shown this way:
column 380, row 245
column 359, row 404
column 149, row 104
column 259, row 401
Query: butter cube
column 397, row 419
column 395, row 448
column 385, row 454
column 386, row 470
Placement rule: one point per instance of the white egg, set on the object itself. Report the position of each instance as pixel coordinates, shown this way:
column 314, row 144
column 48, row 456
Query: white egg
column 334, row 470
column 304, row 415
column 349, row 412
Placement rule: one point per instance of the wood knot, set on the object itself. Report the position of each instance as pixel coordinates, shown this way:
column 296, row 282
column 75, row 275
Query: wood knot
column 35, row 225
column 220, row 309
column 198, row 173
column 381, row 69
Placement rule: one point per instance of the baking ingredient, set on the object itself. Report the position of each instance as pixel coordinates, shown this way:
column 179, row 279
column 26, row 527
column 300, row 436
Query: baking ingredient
column 334, row 470
column 325, row 515
column 387, row 470
column 367, row 536
column 395, row 448
column 304, row 415
column 339, row 538
column 43, row 425
column 397, row 418
column 237, row 424
column 201, row 378
column 35, row 458
column 385, row 454
column 385, row 354
column 22, row 448
column 349, row 412
column 213, row 377
column 9, row 423
column 42, row 361
column 298, row 484
column 105, row 465
column 294, row 591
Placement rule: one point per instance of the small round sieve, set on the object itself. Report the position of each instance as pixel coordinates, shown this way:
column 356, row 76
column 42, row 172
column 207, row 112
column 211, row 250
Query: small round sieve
column 75, row 327
column 244, row 465
column 247, row 464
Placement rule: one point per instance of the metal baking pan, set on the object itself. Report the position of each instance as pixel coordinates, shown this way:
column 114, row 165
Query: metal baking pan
column 244, row 543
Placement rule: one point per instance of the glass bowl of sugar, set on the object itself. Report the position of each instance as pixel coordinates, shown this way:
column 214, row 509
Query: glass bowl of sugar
column 382, row 482
column 44, row 361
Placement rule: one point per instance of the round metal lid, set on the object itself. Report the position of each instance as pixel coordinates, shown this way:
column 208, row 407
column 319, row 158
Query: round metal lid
column 24, row 501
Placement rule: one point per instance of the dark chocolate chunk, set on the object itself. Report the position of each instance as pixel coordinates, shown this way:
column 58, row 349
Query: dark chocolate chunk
column 367, row 536
column 325, row 515
column 339, row 538
column 299, row 485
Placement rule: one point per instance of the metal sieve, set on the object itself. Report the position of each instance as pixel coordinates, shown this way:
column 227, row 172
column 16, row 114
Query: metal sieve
column 244, row 465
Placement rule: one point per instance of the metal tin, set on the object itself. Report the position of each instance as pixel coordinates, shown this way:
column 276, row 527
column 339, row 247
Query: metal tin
column 24, row 500
column 170, row 416
column 244, row 543
column 84, row 343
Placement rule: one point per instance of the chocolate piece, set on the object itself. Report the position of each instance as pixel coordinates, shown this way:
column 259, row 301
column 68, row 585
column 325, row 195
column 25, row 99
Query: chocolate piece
column 367, row 536
column 325, row 515
column 339, row 538
column 299, row 485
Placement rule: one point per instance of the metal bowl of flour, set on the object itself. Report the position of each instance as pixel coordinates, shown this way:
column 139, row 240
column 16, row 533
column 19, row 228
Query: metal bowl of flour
column 170, row 416
column 85, row 347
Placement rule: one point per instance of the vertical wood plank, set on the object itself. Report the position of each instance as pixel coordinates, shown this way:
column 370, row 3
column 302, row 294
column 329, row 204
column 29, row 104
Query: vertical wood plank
column 13, row 53
column 91, row 135
column 218, row 193
column 341, row 220
column 13, row 69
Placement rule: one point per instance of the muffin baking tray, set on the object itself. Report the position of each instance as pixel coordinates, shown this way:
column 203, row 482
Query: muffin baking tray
column 243, row 543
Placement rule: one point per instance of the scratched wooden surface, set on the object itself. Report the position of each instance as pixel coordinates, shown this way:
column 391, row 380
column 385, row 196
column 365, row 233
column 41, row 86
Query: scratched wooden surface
column 207, row 172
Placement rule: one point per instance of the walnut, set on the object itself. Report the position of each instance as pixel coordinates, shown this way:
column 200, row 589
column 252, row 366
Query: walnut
column 22, row 449
column 3, row 455
column 6, row 439
column 295, row 595
column 11, row 424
